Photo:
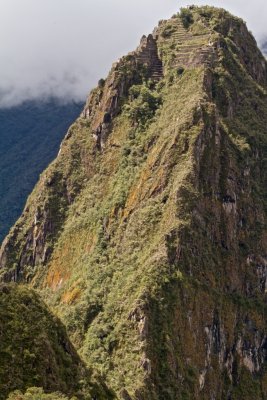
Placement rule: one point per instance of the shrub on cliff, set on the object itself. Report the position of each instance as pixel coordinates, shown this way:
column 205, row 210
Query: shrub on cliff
column 36, row 393
column 168, row 30
column 186, row 17
column 143, row 105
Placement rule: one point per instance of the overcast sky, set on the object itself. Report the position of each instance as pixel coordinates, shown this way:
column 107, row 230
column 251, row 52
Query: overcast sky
column 63, row 47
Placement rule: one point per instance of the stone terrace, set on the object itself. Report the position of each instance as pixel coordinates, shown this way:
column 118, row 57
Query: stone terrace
column 188, row 50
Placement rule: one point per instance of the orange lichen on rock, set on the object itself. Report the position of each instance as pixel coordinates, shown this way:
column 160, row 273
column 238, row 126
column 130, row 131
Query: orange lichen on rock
column 71, row 296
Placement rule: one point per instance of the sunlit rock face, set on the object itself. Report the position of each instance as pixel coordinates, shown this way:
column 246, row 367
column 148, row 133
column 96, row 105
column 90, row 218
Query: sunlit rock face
column 147, row 234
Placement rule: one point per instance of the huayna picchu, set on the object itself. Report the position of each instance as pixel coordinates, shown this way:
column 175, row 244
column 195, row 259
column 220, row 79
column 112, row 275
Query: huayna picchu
column 147, row 234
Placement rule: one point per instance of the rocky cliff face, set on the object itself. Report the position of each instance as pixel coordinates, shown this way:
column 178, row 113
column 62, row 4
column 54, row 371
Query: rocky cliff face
column 148, row 233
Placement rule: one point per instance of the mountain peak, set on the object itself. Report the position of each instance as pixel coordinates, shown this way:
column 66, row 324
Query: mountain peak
column 194, row 38
column 147, row 234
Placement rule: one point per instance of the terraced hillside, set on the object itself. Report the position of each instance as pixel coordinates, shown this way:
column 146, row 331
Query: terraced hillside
column 147, row 234
column 188, row 48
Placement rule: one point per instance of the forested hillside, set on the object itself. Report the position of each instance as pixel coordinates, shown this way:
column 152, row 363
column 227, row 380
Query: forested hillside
column 30, row 135
column 147, row 234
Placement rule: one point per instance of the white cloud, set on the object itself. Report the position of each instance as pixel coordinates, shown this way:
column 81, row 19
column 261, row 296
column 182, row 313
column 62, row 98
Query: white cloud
column 62, row 47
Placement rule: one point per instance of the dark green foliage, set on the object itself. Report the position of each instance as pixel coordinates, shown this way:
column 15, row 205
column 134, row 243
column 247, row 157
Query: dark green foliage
column 36, row 393
column 30, row 135
column 101, row 83
column 168, row 30
column 144, row 103
column 186, row 17
column 180, row 71
column 247, row 387
column 36, row 354
column 220, row 20
column 34, row 348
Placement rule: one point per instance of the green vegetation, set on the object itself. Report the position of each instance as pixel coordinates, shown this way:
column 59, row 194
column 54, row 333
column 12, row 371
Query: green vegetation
column 101, row 83
column 34, row 347
column 35, row 351
column 167, row 31
column 30, row 137
column 186, row 17
column 180, row 70
column 158, row 239
column 37, row 394
column 143, row 105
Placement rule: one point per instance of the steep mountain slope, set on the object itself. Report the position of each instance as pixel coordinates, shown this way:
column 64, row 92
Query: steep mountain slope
column 30, row 135
column 147, row 234
column 35, row 349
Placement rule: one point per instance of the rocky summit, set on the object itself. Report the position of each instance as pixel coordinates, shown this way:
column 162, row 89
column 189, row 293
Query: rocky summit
column 147, row 234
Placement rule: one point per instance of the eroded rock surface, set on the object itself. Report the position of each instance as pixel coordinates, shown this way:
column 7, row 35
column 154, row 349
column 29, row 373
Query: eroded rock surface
column 148, row 232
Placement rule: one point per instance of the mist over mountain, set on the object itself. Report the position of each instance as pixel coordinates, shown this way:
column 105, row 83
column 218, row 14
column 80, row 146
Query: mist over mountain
column 264, row 47
column 63, row 47
column 147, row 234
column 30, row 135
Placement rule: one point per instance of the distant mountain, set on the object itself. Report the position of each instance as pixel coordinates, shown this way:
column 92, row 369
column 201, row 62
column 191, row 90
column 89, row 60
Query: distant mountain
column 264, row 47
column 30, row 135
